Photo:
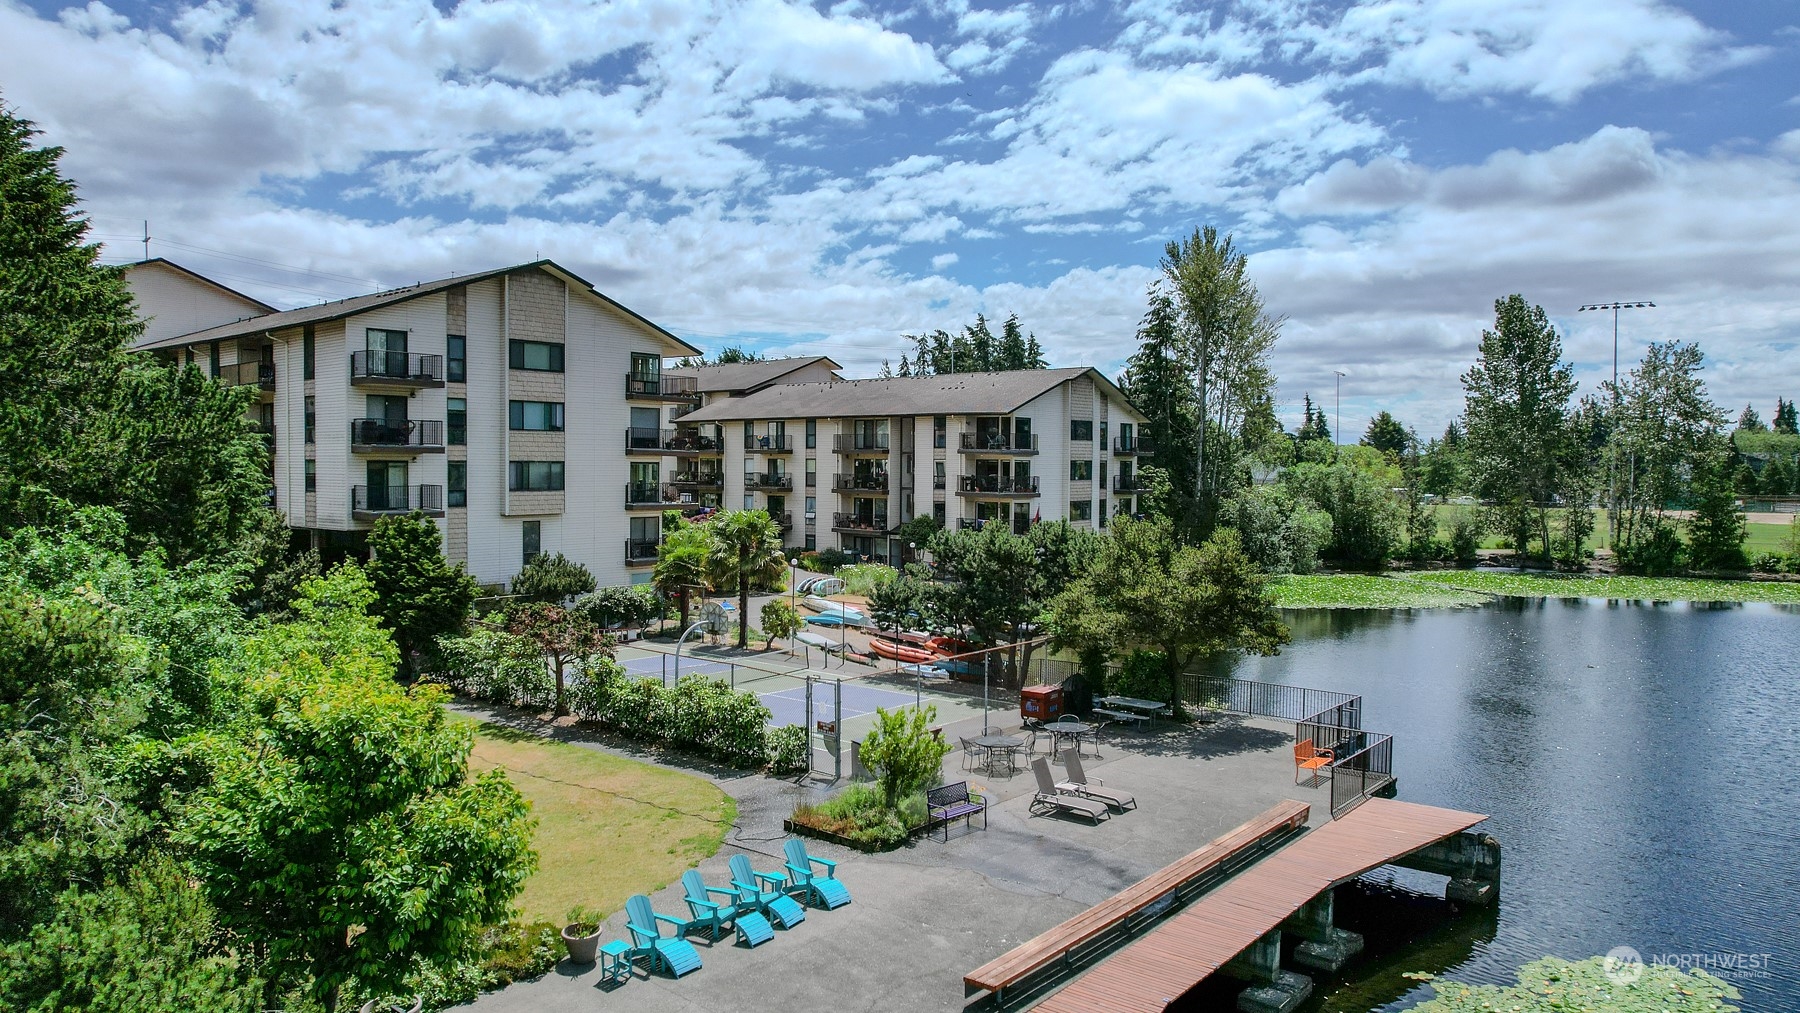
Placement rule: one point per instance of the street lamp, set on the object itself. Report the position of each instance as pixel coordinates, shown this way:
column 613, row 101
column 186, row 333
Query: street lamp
column 1337, row 432
column 1612, row 481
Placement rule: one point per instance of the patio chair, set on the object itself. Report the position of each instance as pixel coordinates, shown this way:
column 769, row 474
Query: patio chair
column 713, row 915
column 676, row 955
column 802, row 880
column 1050, row 800
column 773, row 901
column 1079, row 783
column 970, row 751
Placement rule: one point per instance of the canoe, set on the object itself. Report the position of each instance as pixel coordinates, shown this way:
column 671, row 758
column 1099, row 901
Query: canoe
column 831, row 619
column 899, row 651
column 826, row 585
column 850, row 613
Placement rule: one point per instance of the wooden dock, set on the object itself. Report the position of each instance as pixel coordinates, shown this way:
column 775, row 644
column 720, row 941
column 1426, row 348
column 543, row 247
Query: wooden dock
column 1197, row 941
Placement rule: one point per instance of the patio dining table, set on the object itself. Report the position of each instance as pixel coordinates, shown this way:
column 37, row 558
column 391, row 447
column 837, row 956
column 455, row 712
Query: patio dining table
column 1001, row 745
column 1076, row 730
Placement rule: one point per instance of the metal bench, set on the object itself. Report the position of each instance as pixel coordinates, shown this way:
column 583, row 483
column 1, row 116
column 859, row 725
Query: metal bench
column 1135, row 718
column 953, row 801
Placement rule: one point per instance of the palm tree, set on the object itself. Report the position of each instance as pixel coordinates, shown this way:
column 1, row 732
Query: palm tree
column 746, row 548
column 683, row 562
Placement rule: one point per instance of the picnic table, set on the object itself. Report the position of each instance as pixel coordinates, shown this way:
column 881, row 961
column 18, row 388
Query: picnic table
column 1130, row 708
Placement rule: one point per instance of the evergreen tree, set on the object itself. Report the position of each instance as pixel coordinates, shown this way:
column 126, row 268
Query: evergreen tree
column 1785, row 417
column 887, row 370
column 1156, row 379
column 943, row 356
column 1386, row 434
column 981, row 345
column 420, row 596
column 905, row 368
column 552, row 577
column 1750, row 422
column 1716, row 528
column 1013, row 353
column 1034, row 354
column 86, row 421
column 1776, row 479
column 1313, row 425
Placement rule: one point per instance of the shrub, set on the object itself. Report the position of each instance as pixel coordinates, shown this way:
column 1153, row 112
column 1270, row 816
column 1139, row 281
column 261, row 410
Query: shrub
column 1143, row 674
column 779, row 620
column 864, row 578
column 859, row 814
column 902, row 752
column 1280, row 534
column 698, row 714
column 1654, row 555
column 831, row 560
column 1465, row 539
column 552, row 577
column 498, row 667
column 787, row 748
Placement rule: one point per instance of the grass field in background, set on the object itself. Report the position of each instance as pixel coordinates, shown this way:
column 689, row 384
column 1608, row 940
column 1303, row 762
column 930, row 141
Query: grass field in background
column 1541, row 585
column 608, row 827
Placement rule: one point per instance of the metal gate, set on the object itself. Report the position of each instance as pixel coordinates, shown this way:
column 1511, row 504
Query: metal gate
column 825, row 720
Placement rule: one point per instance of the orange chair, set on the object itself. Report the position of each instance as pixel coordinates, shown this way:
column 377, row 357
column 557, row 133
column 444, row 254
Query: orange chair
column 1308, row 758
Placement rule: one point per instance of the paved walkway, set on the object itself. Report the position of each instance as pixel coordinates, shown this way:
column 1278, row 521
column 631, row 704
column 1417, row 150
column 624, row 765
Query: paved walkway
column 927, row 913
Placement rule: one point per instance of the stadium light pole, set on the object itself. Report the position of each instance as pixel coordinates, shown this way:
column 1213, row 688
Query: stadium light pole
column 1612, row 481
column 1337, row 432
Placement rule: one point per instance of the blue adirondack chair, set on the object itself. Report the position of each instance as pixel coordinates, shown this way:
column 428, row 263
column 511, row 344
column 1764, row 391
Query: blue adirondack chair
column 772, row 901
column 677, row 956
column 714, row 915
column 825, row 889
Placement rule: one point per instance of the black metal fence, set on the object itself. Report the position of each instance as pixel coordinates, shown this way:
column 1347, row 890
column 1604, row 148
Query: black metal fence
column 1362, row 774
column 1261, row 699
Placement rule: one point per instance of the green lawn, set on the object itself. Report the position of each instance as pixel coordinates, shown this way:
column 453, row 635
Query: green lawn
column 1762, row 537
column 1766, row 538
column 1350, row 590
column 1538, row 585
column 608, row 827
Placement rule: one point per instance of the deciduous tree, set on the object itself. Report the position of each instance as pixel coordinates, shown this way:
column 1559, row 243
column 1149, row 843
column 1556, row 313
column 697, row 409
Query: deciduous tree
column 565, row 636
column 779, row 621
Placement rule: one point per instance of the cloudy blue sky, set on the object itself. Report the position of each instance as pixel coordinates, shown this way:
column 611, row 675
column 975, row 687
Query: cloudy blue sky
column 825, row 178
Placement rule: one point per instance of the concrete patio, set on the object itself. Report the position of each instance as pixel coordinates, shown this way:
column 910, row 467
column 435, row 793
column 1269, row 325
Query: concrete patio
column 928, row 912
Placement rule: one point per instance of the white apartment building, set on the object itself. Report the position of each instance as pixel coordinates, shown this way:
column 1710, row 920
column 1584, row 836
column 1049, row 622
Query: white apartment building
column 844, row 462
column 491, row 401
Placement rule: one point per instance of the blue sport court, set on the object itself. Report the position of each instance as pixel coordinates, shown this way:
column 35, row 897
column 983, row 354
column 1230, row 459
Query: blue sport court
column 788, row 706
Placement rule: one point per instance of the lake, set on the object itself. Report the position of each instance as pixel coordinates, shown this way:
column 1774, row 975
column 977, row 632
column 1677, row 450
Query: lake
column 1637, row 761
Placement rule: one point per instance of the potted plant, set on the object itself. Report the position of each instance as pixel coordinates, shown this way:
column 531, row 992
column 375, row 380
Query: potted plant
column 582, row 935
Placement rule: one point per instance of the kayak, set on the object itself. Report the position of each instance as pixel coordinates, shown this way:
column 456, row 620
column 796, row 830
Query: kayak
column 814, row 640
column 899, row 651
column 850, row 613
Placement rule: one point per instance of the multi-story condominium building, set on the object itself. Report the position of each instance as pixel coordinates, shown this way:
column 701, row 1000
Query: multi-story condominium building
column 844, row 462
column 492, row 401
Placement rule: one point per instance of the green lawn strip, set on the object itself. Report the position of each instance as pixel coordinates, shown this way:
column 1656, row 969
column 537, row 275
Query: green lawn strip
column 1353, row 590
column 1537, row 585
column 608, row 827
column 1766, row 538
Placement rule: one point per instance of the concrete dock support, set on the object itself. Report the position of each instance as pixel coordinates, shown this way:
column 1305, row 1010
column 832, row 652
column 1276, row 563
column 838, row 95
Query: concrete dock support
column 1471, row 860
column 1324, row 946
column 1273, row 990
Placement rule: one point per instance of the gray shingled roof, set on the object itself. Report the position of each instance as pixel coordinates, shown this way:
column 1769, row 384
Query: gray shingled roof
column 955, row 394
column 358, row 304
column 745, row 375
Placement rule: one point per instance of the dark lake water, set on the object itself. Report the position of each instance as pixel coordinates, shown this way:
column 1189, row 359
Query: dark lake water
column 1638, row 762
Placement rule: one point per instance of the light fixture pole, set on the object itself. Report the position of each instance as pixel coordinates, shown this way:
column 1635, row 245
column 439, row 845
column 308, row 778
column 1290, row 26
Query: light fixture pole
column 1337, row 433
column 1612, row 481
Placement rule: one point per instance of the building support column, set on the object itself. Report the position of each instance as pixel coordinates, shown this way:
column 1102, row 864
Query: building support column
column 1272, row 990
column 1325, row 947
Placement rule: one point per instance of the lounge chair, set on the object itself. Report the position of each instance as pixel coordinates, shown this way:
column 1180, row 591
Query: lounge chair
column 1079, row 783
column 713, row 915
column 812, row 887
column 773, row 901
column 1049, row 800
column 677, row 956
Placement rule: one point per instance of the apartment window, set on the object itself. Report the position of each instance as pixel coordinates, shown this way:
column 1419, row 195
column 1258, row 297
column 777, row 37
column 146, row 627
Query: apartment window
column 312, row 476
column 537, row 416
column 542, row 356
column 1103, row 475
column 311, row 419
column 1081, row 509
column 1081, row 429
column 937, row 513
column 645, row 366
column 1102, row 432
column 531, row 535
column 456, row 361
column 812, row 543
column 306, row 352
column 938, row 427
column 749, row 501
column 457, row 412
column 535, row 476
column 458, row 486
column 1103, row 513
column 1081, row 471
column 812, row 469
column 812, row 505
column 812, row 439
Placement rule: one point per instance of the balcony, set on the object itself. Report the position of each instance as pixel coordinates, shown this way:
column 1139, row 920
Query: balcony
column 774, row 443
column 784, row 521
column 245, row 373
column 860, row 483
column 1127, row 445
column 396, row 369
column 996, row 486
column 1130, row 483
column 679, row 409
column 381, row 436
column 860, row 443
column 654, row 496
column 639, row 553
column 754, row 480
column 371, row 501
column 995, row 441
column 698, row 479
column 673, row 442
column 860, row 524
column 655, row 387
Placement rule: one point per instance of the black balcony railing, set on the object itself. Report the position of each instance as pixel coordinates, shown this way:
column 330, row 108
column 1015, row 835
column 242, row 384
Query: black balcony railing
column 681, row 408
column 1130, row 483
column 639, row 553
column 866, row 523
column 654, row 494
column 774, row 443
column 699, row 479
column 767, row 480
column 997, row 441
column 244, row 373
column 859, row 483
column 996, row 485
column 860, row 443
column 397, row 368
column 412, row 434
column 784, row 521
column 671, row 388
column 396, row 499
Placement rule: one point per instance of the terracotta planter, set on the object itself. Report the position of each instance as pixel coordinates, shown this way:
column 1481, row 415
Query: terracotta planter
column 582, row 949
